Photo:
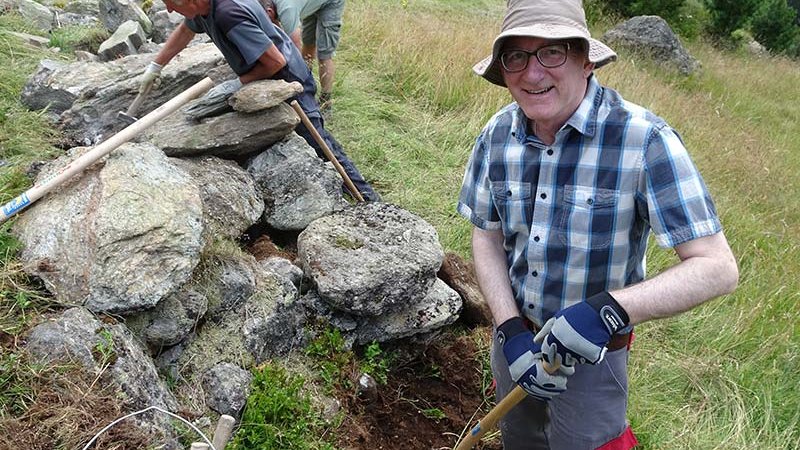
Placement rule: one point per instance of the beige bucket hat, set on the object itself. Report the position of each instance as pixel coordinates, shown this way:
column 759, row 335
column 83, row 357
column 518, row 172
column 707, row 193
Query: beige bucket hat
column 546, row 19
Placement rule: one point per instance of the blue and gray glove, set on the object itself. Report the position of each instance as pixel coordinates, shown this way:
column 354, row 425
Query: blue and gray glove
column 524, row 358
column 580, row 333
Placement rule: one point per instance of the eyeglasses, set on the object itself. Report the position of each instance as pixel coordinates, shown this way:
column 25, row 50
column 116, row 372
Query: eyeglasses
column 549, row 56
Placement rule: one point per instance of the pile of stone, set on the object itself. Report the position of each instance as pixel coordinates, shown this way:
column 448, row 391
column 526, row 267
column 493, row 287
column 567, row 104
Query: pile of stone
column 144, row 248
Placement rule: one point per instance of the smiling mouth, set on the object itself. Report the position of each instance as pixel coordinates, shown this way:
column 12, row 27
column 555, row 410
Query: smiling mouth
column 539, row 92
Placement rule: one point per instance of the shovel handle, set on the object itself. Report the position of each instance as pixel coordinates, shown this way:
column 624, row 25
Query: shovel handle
column 326, row 150
column 501, row 409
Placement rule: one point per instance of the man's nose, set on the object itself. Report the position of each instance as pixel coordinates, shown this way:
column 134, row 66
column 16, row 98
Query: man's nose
column 534, row 70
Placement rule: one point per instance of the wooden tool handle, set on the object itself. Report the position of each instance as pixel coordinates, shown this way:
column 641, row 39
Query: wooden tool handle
column 223, row 432
column 137, row 102
column 36, row 192
column 326, row 150
column 501, row 409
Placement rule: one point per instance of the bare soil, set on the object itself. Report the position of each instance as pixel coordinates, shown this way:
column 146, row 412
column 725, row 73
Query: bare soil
column 433, row 392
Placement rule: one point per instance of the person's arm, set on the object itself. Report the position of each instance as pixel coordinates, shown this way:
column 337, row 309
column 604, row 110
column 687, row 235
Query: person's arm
column 707, row 270
column 270, row 62
column 581, row 332
column 176, row 42
column 491, row 269
column 297, row 38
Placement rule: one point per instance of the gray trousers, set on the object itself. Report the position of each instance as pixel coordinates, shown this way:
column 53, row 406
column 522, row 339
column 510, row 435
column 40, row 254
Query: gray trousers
column 588, row 414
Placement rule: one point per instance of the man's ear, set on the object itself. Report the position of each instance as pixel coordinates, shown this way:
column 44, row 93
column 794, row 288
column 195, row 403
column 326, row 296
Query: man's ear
column 271, row 14
column 588, row 67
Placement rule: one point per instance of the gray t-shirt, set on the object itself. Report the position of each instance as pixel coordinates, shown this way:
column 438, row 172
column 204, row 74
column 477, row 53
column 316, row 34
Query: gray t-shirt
column 242, row 32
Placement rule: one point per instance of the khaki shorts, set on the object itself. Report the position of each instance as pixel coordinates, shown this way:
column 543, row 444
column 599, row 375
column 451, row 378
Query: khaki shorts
column 322, row 28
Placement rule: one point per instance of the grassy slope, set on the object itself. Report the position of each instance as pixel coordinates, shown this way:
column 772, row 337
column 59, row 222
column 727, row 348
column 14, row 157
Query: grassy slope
column 724, row 376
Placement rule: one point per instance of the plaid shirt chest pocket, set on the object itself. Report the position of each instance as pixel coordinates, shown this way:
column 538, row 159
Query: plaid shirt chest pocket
column 514, row 205
column 585, row 217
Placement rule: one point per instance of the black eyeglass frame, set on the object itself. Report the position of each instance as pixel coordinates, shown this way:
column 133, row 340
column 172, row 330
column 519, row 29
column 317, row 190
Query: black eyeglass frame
column 538, row 58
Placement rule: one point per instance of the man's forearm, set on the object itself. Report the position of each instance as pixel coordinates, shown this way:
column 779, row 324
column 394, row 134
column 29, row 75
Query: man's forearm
column 491, row 269
column 267, row 66
column 707, row 269
column 176, row 42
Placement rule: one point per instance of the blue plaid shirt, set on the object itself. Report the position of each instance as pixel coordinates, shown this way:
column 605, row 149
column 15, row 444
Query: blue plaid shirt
column 575, row 215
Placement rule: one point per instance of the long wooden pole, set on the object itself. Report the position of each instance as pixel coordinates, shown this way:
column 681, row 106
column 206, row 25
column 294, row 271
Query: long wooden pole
column 326, row 150
column 38, row 191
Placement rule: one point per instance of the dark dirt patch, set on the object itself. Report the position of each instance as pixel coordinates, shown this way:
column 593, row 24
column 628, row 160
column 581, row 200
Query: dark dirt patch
column 432, row 393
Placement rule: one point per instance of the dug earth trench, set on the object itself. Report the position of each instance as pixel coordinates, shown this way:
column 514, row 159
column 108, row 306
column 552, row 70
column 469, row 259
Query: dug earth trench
column 434, row 391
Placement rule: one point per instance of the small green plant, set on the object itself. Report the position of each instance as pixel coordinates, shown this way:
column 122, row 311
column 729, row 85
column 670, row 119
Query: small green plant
column 103, row 351
column 331, row 359
column 15, row 384
column 376, row 362
column 434, row 413
column 278, row 415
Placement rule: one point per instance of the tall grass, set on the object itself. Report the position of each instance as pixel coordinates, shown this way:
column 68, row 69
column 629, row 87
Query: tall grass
column 724, row 376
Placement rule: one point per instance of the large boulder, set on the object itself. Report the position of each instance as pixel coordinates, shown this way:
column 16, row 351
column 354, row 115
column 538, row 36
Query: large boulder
column 113, row 13
column 232, row 135
column 87, row 96
column 371, row 258
column 296, row 185
column 120, row 237
column 231, row 200
column 76, row 336
column 652, row 37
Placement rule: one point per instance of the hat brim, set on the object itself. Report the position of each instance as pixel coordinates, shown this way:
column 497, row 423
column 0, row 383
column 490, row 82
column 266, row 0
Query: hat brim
column 489, row 68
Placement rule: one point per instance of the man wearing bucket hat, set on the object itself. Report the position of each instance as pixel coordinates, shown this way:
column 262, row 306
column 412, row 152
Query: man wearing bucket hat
column 563, row 187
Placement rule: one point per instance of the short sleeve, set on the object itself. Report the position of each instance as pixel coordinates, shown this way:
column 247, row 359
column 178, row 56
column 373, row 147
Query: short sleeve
column 679, row 206
column 475, row 200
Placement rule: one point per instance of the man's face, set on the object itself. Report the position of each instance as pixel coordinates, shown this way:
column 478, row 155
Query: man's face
column 548, row 96
column 188, row 8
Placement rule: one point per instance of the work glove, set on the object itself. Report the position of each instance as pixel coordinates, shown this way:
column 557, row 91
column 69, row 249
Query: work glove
column 150, row 75
column 525, row 360
column 222, row 91
column 580, row 333
column 215, row 101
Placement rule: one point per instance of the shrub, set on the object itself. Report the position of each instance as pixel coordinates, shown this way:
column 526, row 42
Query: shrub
column 773, row 25
column 729, row 15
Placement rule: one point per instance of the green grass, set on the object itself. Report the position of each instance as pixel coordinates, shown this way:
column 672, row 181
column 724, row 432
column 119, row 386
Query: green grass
column 278, row 414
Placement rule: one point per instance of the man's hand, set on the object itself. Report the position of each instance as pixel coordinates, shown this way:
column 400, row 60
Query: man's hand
column 222, row 91
column 524, row 358
column 150, row 75
column 214, row 102
column 580, row 333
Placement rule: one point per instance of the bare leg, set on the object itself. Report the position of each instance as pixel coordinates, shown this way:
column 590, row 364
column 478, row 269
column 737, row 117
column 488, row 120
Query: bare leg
column 326, row 70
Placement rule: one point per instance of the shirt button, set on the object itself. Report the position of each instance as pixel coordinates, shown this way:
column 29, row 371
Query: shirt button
column 543, row 195
column 508, row 193
column 549, row 152
column 535, row 273
column 530, row 306
column 589, row 201
column 536, row 239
